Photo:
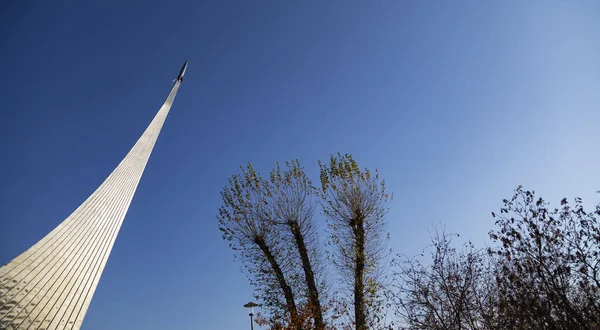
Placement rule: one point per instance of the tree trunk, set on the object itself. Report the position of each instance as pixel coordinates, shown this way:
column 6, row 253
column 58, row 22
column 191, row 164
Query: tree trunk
column 287, row 290
column 360, row 318
column 313, row 293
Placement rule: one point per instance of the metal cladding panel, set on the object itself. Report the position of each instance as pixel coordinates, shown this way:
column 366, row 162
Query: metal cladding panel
column 51, row 285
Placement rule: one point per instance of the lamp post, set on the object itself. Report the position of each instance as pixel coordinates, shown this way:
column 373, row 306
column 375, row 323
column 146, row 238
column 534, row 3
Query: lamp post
column 250, row 307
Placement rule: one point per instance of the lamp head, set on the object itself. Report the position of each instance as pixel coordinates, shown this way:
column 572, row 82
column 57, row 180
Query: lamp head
column 250, row 307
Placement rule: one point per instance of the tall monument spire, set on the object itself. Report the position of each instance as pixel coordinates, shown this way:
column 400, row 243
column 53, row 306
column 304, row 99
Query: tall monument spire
column 51, row 285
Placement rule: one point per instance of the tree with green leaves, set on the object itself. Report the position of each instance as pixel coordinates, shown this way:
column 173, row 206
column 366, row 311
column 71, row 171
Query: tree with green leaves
column 355, row 203
column 246, row 221
column 293, row 195
column 270, row 223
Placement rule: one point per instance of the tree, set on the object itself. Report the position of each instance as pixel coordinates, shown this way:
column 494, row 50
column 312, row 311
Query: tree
column 293, row 193
column 454, row 290
column 270, row 224
column 549, row 275
column 355, row 202
column 246, row 221
column 542, row 272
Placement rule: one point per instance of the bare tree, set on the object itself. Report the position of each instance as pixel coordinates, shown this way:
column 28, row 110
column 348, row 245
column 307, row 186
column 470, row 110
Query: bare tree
column 543, row 272
column 454, row 289
column 550, row 263
column 355, row 202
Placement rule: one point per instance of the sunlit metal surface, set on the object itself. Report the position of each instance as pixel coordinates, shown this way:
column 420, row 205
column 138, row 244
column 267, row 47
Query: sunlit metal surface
column 51, row 285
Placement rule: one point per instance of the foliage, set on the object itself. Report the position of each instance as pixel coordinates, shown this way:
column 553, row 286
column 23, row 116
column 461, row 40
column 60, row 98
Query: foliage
column 271, row 225
column 355, row 202
column 247, row 221
column 542, row 270
column 292, row 195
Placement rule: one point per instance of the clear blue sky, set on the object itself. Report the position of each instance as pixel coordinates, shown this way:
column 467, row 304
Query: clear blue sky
column 455, row 102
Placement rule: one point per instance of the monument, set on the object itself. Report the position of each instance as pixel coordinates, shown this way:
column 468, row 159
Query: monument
column 51, row 285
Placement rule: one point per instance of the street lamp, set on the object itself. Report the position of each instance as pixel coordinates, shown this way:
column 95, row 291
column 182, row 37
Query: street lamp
column 250, row 307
